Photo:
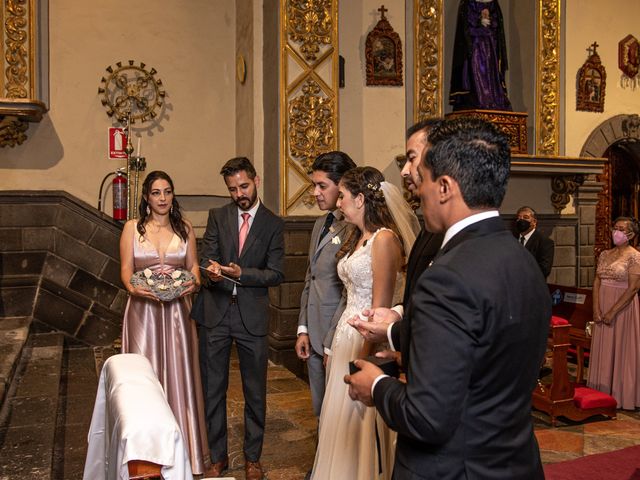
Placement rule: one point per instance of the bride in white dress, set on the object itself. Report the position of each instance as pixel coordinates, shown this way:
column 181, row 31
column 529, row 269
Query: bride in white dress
column 353, row 441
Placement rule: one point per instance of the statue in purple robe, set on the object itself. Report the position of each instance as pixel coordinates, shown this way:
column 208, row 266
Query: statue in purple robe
column 479, row 58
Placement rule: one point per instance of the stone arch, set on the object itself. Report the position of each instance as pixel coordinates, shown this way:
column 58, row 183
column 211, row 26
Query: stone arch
column 623, row 128
column 615, row 129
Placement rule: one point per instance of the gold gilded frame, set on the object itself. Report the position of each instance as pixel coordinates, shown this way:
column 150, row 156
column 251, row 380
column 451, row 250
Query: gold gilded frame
column 20, row 78
column 428, row 57
column 308, row 99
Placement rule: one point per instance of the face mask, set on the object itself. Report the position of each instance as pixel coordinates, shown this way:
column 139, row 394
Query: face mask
column 522, row 225
column 619, row 238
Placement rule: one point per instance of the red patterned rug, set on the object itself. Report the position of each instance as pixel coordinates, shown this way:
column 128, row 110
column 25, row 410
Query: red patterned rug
column 618, row 465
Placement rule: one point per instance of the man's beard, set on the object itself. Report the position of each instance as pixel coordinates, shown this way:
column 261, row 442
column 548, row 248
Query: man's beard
column 248, row 201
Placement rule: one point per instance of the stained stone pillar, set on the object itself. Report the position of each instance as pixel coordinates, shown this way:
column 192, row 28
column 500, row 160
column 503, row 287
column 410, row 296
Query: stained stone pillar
column 285, row 299
column 585, row 202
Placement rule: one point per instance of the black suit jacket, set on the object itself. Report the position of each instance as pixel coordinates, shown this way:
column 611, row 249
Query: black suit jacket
column 261, row 262
column 541, row 248
column 475, row 335
column 422, row 253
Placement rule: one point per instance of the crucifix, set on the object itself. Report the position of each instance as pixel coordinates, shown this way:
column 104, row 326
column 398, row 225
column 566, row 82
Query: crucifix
column 382, row 10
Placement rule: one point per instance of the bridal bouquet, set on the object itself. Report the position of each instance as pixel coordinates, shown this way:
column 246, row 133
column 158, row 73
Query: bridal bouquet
column 165, row 284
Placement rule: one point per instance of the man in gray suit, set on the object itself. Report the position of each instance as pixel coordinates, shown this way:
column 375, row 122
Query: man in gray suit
column 242, row 252
column 322, row 302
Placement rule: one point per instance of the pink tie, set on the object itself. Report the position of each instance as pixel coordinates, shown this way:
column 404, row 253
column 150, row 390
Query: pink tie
column 244, row 231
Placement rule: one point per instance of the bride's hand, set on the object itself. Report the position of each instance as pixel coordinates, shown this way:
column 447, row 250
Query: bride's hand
column 373, row 330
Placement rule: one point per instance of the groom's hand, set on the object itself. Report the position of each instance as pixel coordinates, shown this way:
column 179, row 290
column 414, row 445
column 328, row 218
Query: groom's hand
column 360, row 383
column 303, row 346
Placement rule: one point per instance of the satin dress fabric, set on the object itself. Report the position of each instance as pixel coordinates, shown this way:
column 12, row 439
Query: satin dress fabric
column 165, row 334
column 614, row 362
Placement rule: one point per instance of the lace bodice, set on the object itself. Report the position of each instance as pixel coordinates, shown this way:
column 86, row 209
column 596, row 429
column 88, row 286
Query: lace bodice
column 357, row 276
column 616, row 266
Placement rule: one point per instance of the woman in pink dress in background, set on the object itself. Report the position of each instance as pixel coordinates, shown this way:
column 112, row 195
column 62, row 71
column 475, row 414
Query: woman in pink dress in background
column 162, row 241
column 614, row 362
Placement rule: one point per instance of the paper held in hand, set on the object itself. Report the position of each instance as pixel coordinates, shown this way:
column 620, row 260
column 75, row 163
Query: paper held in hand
column 223, row 275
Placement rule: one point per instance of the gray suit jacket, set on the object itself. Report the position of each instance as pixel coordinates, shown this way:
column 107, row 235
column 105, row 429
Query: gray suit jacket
column 322, row 301
column 261, row 262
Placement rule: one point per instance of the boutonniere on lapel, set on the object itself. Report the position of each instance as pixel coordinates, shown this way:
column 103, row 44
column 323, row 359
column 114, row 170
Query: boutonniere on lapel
column 336, row 240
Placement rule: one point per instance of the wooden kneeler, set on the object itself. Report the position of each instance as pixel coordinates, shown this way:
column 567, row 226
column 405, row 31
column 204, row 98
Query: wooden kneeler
column 141, row 470
column 561, row 397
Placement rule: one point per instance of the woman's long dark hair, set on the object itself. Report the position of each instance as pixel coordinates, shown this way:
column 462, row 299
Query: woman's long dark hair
column 367, row 180
column 175, row 217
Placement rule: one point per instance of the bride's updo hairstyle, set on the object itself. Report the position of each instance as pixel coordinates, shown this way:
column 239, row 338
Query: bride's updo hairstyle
column 367, row 181
column 175, row 217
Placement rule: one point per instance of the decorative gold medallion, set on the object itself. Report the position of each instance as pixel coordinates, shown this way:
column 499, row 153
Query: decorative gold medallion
column 241, row 69
column 131, row 91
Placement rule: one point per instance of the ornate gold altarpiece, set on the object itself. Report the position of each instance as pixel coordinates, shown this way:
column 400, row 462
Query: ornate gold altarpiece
column 308, row 94
column 24, row 61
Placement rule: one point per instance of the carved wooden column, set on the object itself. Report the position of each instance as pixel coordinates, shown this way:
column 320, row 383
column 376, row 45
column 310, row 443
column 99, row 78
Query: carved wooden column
column 548, row 78
column 24, row 85
column 428, row 53
column 308, row 95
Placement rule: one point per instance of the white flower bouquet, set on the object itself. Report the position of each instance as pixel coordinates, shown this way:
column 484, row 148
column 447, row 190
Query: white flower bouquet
column 165, row 284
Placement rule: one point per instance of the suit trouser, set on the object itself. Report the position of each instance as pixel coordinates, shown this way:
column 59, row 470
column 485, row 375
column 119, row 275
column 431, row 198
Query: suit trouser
column 317, row 380
column 252, row 355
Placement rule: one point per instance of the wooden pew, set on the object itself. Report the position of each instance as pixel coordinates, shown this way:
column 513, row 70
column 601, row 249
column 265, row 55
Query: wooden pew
column 559, row 397
column 575, row 305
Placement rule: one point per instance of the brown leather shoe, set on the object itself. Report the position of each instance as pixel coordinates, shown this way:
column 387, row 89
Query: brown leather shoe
column 253, row 471
column 217, row 468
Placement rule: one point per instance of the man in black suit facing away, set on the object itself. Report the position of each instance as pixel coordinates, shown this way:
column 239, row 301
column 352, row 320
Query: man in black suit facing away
column 477, row 326
column 541, row 247
column 243, row 242
column 427, row 243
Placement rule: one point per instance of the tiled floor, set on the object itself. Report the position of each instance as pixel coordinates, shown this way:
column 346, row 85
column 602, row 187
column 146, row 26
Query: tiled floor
column 291, row 428
column 290, row 434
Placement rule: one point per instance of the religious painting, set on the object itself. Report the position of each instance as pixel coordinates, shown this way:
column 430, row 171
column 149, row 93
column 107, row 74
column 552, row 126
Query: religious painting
column 383, row 53
column 629, row 61
column 592, row 80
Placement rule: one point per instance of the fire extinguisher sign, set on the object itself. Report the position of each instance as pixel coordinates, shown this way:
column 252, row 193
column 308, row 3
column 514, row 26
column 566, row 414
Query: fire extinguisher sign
column 117, row 143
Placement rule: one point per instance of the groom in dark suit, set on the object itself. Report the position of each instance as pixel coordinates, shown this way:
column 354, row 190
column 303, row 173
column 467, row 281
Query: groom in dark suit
column 243, row 252
column 477, row 326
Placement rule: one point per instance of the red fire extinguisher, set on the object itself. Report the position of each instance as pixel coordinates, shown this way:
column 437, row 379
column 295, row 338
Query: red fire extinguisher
column 119, row 187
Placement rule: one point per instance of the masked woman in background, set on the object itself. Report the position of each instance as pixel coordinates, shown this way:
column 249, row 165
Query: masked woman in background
column 614, row 362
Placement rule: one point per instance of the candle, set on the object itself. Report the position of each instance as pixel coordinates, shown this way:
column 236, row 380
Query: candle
column 138, row 149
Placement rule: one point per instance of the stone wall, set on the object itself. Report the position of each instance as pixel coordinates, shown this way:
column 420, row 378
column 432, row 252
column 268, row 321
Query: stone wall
column 285, row 299
column 60, row 264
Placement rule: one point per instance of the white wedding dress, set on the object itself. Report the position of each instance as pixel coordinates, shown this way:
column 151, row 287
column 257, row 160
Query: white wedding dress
column 347, row 445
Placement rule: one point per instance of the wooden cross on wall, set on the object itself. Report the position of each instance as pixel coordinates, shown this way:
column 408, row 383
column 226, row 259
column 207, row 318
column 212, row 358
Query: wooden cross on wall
column 382, row 10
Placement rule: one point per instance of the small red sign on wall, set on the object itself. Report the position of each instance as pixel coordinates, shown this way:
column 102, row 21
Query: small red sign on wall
column 117, row 143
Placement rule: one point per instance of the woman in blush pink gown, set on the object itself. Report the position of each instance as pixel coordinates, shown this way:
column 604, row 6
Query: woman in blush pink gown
column 162, row 241
column 614, row 364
